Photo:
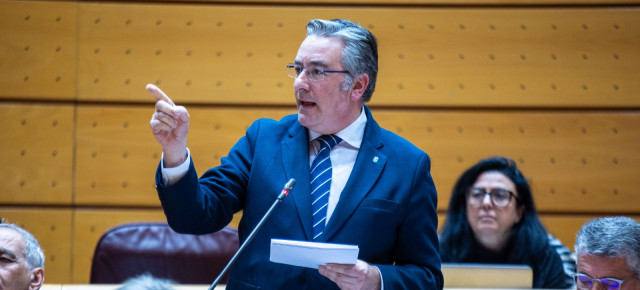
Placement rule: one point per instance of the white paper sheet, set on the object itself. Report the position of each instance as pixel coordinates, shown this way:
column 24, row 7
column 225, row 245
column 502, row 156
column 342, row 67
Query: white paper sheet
column 311, row 254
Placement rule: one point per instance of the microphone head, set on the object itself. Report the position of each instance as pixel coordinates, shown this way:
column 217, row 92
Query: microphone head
column 287, row 187
column 290, row 184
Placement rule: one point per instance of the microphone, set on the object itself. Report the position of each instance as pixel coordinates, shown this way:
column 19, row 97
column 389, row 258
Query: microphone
column 285, row 191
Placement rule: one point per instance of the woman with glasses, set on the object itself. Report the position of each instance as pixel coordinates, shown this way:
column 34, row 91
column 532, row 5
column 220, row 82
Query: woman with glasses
column 492, row 219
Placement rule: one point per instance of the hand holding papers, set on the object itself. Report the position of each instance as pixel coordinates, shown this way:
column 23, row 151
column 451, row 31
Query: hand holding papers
column 311, row 254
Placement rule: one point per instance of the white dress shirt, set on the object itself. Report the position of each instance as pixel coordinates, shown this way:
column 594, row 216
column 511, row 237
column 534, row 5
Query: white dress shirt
column 343, row 157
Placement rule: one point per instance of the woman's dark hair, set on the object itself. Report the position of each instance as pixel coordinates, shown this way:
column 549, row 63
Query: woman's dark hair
column 457, row 238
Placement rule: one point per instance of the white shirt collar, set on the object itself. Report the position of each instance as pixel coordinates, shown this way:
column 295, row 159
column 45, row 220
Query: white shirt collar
column 352, row 134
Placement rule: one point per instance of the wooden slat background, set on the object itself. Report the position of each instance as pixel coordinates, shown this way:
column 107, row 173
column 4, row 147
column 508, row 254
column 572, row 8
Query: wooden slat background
column 428, row 57
column 37, row 153
column 550, row 83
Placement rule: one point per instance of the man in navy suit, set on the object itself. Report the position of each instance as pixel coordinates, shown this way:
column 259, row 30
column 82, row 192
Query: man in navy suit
column 381, row 198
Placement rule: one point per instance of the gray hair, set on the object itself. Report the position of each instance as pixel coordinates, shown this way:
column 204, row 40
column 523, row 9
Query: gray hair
column 32, row 250
column 611, row 237
column 360, row 53
column 146, row 282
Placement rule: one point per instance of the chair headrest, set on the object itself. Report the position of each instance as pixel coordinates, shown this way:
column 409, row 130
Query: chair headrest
column 132, row 249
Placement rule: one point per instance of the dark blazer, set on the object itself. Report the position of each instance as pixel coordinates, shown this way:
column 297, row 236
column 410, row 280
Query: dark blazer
column 387, row 208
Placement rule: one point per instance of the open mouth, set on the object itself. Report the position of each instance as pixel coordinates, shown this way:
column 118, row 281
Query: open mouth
column 307, row 104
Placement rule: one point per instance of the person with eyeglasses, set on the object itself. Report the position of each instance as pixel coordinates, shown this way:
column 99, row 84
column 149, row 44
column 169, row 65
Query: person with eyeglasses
column 492, row 219
column 608, row 251
column 374, row 188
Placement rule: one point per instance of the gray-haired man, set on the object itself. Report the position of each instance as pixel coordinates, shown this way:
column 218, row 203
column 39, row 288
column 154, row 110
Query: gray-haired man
column 21, row 259
column 608, row 251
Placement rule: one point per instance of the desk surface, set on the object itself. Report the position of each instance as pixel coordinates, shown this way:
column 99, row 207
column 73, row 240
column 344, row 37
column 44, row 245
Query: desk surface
column 115, row 286
column 177, row 287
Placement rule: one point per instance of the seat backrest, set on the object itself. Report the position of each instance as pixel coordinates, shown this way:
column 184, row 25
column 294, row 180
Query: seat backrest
column 133, row 249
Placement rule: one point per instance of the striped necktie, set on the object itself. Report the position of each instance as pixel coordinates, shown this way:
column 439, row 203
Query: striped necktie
column 321, row 182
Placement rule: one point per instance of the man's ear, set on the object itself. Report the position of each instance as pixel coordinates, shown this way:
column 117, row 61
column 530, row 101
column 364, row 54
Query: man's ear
column 358, row 87
column 37, row 279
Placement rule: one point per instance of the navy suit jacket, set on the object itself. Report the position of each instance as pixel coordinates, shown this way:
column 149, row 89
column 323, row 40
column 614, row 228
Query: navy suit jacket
column 387, row 208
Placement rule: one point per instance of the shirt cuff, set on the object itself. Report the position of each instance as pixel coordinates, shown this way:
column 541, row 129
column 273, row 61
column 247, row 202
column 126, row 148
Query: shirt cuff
column 171, row 175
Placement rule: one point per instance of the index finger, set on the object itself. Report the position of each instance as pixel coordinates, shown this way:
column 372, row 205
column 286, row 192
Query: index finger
column 159, row 94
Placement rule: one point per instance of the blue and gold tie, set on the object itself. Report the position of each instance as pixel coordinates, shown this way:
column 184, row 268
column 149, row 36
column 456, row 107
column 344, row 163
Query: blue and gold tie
column 321, row 182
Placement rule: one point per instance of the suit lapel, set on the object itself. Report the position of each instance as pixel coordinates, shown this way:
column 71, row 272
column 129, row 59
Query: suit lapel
column 293, row 148
column 366, row 171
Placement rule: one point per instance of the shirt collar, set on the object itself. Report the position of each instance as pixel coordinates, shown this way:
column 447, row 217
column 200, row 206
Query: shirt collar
column 352, row 134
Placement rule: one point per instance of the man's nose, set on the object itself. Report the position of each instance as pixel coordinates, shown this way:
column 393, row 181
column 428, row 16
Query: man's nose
column 301, row 81
column 597, row 285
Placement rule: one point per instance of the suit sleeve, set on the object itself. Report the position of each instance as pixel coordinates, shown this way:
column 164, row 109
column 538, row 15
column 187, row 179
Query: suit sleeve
column 204, row 205
column 417, row 258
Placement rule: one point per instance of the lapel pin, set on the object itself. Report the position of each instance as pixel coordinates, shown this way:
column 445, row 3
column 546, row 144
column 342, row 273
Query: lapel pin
column 375, row 159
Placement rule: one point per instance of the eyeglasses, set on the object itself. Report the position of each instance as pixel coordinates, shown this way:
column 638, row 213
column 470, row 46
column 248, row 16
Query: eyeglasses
column 500, row 197
column 314, row 73
column 584, row 281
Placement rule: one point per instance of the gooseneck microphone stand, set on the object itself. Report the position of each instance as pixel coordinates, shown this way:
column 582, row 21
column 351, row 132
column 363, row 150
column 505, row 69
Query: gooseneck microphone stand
column 285, row 191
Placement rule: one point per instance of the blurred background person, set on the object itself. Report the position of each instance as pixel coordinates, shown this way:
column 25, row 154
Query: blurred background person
column 147, row 282
column 608, row 251
column 492, row 219
column 21, row 259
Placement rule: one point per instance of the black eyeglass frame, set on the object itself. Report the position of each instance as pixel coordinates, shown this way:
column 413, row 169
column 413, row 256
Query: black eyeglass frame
column 490, row 193
column 302, row 69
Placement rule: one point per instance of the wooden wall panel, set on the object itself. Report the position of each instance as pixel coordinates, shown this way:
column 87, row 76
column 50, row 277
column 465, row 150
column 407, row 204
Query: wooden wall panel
column 200, row 51
column 38, row 47
column 52, row 228
column 506, row 58
column 37, row 153
column 577, row 158
column 575, row 161
column 428, row 56
column 117, row 154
